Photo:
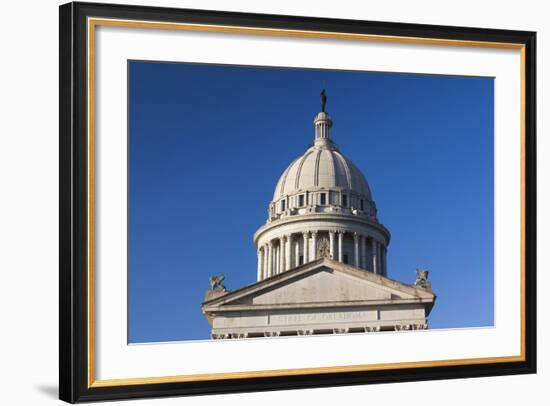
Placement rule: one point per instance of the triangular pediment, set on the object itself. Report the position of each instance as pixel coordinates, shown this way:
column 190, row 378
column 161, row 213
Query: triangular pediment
column 323, row 285
column 321, row 282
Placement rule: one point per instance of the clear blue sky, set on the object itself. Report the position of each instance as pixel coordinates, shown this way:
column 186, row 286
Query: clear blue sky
column 208, row 143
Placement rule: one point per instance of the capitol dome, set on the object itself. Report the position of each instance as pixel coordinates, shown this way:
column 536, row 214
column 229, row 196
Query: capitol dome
column 322, row 167
column 326, row 177
column 322, row 205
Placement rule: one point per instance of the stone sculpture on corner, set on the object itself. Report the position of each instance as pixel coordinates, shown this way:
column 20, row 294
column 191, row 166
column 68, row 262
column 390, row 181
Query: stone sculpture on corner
column 422, row 278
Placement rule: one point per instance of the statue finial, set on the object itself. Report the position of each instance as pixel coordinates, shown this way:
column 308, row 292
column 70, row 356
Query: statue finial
column 216, row 283
column 323, row 100
column 422, row 278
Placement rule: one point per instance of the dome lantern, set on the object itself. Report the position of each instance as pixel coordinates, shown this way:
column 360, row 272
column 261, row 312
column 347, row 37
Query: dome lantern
column 323, row 124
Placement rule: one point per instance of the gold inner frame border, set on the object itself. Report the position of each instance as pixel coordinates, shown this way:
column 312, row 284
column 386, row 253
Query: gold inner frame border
column 94, row 22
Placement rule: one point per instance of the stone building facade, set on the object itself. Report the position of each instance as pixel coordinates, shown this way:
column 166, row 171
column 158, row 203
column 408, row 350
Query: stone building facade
column 322, row 264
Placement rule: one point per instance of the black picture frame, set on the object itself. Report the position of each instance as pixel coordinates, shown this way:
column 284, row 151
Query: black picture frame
column 73, row 284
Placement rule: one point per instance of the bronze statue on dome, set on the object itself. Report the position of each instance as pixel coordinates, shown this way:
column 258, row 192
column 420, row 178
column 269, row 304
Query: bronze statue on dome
column 323, row 100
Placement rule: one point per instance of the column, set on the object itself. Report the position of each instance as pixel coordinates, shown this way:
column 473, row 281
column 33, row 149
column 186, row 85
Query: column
column 340, row 245
column 306, row 248
column 362, row 262
column 264, row 271
column 368, row 262
column 378, row 260
column 281, row 254
column 314, row 245
column 374, row 247
column 269, row 259
column 384, row 258
column 297, row 253
column 288, row 239
column 331, row 240
column 381, row 259
column 260, row 264
column 385, row 261
column 368, row 259
column 276, row 259
column 356, row 248
column 273, row 258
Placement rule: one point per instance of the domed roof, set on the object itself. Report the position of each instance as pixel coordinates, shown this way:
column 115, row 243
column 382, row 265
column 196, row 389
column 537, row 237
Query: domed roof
column 322, row 166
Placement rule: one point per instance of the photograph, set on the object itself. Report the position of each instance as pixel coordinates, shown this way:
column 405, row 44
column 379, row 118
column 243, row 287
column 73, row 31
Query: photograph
column 254, row 202
column 270, row 202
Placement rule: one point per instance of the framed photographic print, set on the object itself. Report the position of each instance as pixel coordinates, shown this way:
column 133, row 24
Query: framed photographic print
column 257, row 202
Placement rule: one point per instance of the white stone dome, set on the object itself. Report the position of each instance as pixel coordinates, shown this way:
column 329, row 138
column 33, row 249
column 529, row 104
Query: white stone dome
column 322, row 167
column 322, row 180
column 322, row 206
